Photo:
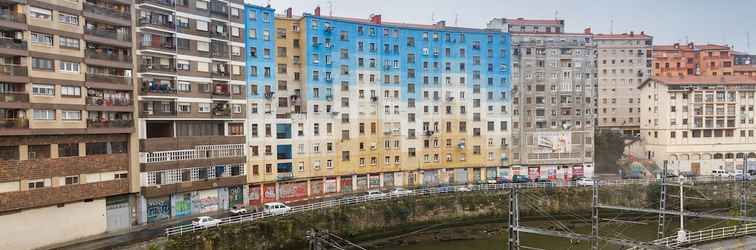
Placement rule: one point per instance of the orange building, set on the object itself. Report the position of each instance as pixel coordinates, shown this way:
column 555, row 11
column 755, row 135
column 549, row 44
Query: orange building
column 691, row 59
column 744, row 70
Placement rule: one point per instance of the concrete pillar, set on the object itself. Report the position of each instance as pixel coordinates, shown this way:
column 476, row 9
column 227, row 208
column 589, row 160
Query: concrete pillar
column 338, row 184
column 380, row 180
column 54, row 151
column 308, row 188
column 82, row 149
column 23, row 151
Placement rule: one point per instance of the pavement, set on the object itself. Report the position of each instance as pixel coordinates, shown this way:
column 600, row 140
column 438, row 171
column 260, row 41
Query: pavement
column 742, row 243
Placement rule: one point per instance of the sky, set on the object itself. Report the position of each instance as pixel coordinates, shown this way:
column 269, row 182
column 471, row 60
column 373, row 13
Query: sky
column 700, row 21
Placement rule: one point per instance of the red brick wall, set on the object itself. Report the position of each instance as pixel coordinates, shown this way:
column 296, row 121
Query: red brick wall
column 46, row 168
column 64, row 194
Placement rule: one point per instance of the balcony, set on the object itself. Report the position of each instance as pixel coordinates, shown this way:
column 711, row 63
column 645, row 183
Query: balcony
column 100, row 57
column 110, row 124
column 157, row 22
column 150, row 87
column 14, row 73
column 105, row 79
column 164, row 3
column 169, row 111
column 164, row 44
column 220, row 74
column 158, row 68
column 17, row 123
column 13, row 46
column 12, row 20
column 221, row 90
column 200, row 152
column 221, row 110
column 15, row 100
column 112, row 37
column 107, row 13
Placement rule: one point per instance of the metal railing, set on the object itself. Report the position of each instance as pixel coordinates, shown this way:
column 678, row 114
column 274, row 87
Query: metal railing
column 199, row 152
column 94, row 54
column 14, row 123
column 108, row 78
column 707, row 235
column 13, row 70
column 14, row 97
column 110, row 124
column 10, row 43
column 115, row 35
column 420, row 192
column 102, row 10
column 12, row 16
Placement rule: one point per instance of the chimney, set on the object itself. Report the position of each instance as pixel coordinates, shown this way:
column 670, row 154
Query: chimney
column 677, row 45
column 632, row 33
column 289, row 12
column 375, row 18
column 690, row 45
column 587, row 31
column 317, row 11
column 441, row 24
column 643, row 33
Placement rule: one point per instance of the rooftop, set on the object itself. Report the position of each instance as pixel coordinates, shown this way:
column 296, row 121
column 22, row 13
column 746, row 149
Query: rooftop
column 523, row 21
column 694, row 47
column 623, row 36
column 689, row 80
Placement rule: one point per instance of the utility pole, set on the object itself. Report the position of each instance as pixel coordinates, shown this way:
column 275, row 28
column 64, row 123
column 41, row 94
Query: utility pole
column 681, row 235
column 514, row 220
column 744, row 189
column 662, row 202
column 595, row 216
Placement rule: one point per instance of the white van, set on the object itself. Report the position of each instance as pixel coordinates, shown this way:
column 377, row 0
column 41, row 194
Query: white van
column 275, row 208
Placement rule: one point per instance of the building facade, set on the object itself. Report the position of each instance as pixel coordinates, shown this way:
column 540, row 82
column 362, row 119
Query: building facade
column 192, row 107
column 692, row 60
column 66, row 108
column 698, row 123
column 553, row 104
column 623, row 63
column 351, row 104
column 522, row 25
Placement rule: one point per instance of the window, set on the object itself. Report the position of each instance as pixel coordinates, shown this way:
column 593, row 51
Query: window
column 43, row 114
column 204, row 107
column 68, row 150
column 42, row 39
column 9, row 153
column 184, row 107
column 97, row 148
column 184, row 86
column 40, row 13
column 71, row 115
column 201, row 25
column 70, row 67
column 43, row 64
column 202, row 5
column 68, row 42
column 71, row 180
column 39, row 152
column 68, row 19
column 70, row 91
column 43, row 90
column 36, row 184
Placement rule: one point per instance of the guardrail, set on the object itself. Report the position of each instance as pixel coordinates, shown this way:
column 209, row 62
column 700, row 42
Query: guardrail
column 420, row 192
column 707, row 235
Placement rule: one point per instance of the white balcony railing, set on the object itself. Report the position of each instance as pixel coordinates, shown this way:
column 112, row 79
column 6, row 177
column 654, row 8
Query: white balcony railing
column 198, row 153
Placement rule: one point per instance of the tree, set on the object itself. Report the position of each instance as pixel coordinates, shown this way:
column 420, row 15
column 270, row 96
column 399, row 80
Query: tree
column 610, row 146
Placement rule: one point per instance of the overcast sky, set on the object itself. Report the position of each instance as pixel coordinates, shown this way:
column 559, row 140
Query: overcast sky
column 669, row 21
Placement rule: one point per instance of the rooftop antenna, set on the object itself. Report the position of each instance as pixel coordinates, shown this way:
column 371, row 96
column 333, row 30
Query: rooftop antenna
column 433, row 17
column 686, row 40
column 330, row 8
column 556, row 14
column 611, row 25
column 748, row 41
column 456, row 19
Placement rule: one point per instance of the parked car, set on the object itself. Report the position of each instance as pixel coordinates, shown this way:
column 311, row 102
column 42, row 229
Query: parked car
column 721, row 173
column 375, row 194
column 584, row 181
column 500, row 180
column 238, row 211
column 401, row 191
column 275, row 208
column 740, row 177
column 205, row 221
column 520, row 179
column 445, row 189
column 463, row 189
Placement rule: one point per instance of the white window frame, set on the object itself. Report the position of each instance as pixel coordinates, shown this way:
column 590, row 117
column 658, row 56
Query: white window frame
column 71, row 115
column 43, row 90
column 184, row 107
column 43, row 39
column 40, row 13
column 43, row 114
column 69, row 67
column 70, row 91
column 68, row 19
column 203, row 107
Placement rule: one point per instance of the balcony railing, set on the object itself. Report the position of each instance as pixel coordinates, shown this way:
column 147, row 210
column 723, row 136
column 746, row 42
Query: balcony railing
column 160, row 112
column 108, row 78
column 115, row 35
column 108, row 56
column 156, row 21
column 14, row 123
column 198, row 153
column 157, row 67
column 285, row 176
column 13, row 70
column 158, row 88
column 14, row 97
column 216, row 74
column 222, row 112
column 110, row 124
column 167, row 3
column 99, row 101
column 165, row 44
column 9, row 43
column 105, row 11
column 12, row 16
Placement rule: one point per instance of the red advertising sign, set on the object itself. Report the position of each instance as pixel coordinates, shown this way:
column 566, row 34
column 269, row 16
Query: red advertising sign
column 292, row 191
column 255, row 195
column 534, row 173
column 346, row 184
column 269, row 193
column 577, row 171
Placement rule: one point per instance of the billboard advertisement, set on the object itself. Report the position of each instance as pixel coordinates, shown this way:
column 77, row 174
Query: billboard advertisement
column 269, row 193
column 330, row 186
column 316, row 187
column 374, row 181
column 346, row 184
column 534, row 173
column 254, row 195
column 362, row 183
column 553, row 142
column 577, row 171
column 236, row 196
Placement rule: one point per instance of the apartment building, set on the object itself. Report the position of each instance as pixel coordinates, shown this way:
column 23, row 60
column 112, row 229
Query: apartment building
column 553, row 103
column 522, row 25
column 692, row 60
column 347, row 104
column 192, row 107
column 66, row 119
column 698, row 123
column 623, row 63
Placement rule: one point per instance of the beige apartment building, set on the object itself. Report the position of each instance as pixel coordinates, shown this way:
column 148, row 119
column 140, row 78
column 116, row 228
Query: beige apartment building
column 624, row 62
column 699, row 123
